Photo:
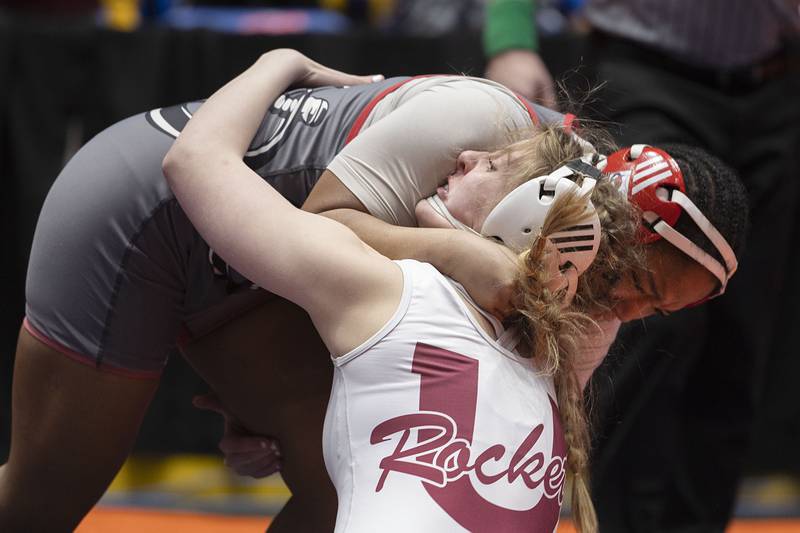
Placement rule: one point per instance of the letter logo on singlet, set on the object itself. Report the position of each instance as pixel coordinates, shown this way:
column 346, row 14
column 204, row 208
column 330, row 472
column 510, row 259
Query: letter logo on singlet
column 169, row 120
column 435, row 444
column 299, row 106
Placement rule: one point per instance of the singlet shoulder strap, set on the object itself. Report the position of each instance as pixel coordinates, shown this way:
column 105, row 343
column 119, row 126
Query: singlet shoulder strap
column 498, row 328
column 397, row 316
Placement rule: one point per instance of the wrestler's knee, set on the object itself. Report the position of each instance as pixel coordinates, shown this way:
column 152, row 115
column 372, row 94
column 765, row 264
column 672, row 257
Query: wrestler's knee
column 16, row 514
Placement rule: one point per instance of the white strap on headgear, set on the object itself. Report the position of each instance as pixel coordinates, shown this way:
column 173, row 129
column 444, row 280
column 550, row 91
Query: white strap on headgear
column 722, row 273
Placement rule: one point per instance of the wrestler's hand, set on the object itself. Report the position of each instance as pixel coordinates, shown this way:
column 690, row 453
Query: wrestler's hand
column 486, row 269
column 245, row 453
column 309, row 73
column 524, row 72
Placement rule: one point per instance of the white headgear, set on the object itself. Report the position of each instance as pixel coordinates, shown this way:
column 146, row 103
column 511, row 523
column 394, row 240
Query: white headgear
column 518, row 218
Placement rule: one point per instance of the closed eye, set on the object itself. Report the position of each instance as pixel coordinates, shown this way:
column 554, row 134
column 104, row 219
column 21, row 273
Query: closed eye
column 491, row 165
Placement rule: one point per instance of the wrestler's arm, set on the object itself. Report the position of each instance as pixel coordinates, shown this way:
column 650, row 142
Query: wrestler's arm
column 402, row 158
column 489, row 281
column 310, row 260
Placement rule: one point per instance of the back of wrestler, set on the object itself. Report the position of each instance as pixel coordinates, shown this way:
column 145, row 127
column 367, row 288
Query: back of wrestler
column 433, row 425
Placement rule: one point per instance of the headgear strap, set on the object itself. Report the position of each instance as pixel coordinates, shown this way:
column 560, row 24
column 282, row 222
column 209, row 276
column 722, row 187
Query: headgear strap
column 654, row 182
column 518, row 218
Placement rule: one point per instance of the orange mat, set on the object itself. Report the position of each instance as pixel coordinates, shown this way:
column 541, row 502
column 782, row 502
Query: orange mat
column 123, row 520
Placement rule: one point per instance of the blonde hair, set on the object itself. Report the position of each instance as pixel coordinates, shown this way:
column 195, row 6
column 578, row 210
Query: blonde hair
column 550, row 330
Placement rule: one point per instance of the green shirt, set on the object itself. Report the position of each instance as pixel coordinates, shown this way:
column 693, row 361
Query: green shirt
column 509, row 25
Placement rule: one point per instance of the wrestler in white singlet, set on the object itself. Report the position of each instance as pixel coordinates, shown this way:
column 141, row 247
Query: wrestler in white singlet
column 433, row 425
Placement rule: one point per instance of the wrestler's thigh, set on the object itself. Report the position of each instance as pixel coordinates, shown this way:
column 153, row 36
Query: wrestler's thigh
column 104, row 291
column 299, row 516
column 72, row 428
column 270, row 368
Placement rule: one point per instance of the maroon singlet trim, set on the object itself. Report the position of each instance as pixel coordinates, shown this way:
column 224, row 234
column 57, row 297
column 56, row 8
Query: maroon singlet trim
column 88, row 361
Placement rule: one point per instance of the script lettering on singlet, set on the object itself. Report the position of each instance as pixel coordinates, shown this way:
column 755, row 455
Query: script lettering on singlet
column 435, row 444
column 453, row 457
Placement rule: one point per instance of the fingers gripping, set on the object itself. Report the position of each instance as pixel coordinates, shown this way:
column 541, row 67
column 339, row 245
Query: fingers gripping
column 245, row 453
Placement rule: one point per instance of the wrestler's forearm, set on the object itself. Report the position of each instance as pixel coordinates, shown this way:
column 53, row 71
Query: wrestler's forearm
column 430, row 245
column 489, row 281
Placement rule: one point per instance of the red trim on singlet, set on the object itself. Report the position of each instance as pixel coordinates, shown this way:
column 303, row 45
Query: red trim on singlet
column 570, row 121
column 528, row 107
column 86, row 360
column 362, row 116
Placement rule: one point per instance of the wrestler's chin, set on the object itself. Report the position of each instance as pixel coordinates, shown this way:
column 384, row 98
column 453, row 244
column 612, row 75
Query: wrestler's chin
column 428, row 218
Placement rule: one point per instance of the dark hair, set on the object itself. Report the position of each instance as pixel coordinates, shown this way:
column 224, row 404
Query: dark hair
column 716, row 190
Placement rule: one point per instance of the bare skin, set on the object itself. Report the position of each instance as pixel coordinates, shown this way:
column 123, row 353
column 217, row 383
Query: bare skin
column 672, row 282
column 272, row 371
column 58, row 421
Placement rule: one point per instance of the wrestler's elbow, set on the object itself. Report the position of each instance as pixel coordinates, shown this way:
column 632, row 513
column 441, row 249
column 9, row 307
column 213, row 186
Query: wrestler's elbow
column 181, row 160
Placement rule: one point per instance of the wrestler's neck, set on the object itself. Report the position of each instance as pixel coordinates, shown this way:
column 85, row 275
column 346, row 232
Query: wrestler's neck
column 481, row 320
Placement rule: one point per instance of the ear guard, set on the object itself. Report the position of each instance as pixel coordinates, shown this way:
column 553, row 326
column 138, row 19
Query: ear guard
column 654, row 182
column 519, row 218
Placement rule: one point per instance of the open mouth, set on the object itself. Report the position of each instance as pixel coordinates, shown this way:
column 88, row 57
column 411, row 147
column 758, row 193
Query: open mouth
column 443, row 190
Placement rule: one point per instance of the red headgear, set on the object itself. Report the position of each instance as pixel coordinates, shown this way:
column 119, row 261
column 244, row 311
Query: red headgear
column 655, row 184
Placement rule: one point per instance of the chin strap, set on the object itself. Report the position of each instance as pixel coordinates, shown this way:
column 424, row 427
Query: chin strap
column 438, row 206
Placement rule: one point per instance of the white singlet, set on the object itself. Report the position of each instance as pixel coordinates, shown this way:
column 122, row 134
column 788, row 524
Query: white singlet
column 433, row 426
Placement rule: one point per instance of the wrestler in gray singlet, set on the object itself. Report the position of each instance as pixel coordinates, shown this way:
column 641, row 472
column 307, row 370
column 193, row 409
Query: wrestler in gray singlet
column 117, row 273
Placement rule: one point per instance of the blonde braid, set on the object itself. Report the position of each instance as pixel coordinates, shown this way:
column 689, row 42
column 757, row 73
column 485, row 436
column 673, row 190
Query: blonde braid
column 550, row 331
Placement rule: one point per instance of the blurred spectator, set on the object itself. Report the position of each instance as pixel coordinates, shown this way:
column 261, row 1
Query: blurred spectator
column 436, row 17
column 677, row 409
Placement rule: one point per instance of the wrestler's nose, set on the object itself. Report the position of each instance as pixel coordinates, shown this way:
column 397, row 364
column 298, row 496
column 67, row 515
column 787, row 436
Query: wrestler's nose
column 633, row 309
column 467, row 160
